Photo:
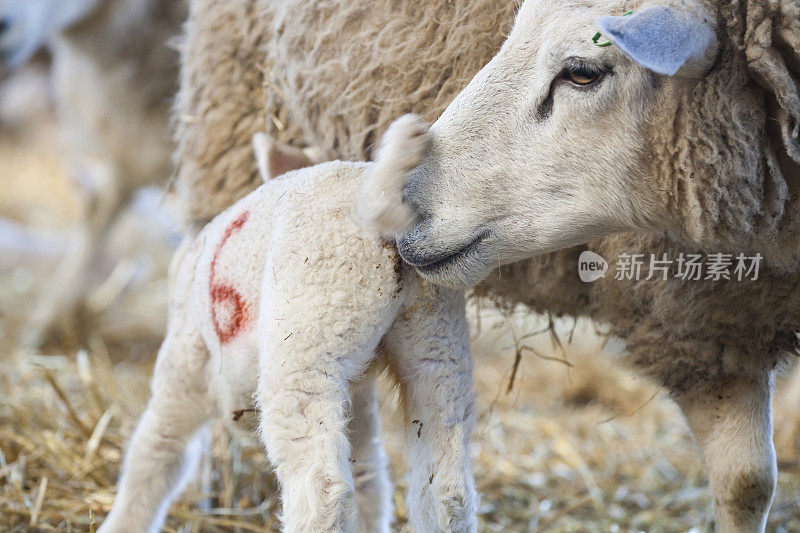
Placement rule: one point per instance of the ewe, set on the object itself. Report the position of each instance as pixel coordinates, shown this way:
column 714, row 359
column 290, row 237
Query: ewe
column 114, row 76
column 703, row 161
column 284, row 303
column 685, row 130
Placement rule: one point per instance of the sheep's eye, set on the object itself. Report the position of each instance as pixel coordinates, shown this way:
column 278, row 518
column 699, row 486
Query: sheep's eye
column 582, row 74
column 582, row 77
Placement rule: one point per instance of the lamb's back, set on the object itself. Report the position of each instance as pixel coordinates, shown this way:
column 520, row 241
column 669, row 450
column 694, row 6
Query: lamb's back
column 297, row 232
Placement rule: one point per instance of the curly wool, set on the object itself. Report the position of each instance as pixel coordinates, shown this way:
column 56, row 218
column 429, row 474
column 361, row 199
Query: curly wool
column 685, row 335
column 729, row 160
column 770, row 34
column 379, row 59
column 218, row 109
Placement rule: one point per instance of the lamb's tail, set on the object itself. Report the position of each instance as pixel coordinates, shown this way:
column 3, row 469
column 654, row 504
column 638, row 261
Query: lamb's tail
column 380, row 206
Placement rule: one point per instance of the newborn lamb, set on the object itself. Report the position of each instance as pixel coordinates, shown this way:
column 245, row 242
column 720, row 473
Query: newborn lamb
column 284, row 303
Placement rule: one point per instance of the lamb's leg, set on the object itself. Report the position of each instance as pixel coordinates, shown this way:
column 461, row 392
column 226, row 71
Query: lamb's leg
column 304, row 429
column 370, row 474
column 168, row 440
column 733, row 427
column 429, row 350
column 319, row 325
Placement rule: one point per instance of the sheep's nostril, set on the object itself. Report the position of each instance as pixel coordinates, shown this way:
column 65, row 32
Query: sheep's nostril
column 5, row 24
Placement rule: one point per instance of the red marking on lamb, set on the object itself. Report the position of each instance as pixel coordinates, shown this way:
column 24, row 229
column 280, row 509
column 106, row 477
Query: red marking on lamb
column 229, row 310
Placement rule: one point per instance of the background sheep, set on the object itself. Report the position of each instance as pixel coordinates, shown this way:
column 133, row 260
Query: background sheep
column 114, row 76
column 331, row 294
column 667, row 325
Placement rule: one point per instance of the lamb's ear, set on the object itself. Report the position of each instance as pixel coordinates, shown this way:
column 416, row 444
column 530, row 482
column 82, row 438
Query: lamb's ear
column 665, row 39
column 275, row 158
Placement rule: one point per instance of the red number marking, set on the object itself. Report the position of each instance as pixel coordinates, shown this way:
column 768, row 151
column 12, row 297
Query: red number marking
column 226, row 300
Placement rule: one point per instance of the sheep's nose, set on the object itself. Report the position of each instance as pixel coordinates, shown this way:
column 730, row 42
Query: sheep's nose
column 415, row 193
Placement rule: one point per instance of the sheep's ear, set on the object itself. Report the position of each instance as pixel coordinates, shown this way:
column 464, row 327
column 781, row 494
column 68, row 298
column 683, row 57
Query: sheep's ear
column 664, row 39
column 275, row 158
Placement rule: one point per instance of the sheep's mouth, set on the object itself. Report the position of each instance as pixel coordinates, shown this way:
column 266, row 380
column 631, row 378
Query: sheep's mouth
column 454, row 257
column 437, row 267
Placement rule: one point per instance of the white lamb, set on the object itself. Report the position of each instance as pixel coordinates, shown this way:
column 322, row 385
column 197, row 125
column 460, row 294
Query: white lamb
column 285, row 304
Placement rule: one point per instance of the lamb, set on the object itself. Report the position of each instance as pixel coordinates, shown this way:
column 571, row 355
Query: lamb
column 723, row 173
column 296, row 311
column 114, row 76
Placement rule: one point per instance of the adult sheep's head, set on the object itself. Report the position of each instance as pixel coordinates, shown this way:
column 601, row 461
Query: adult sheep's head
column 26, row 25
column 558, row 140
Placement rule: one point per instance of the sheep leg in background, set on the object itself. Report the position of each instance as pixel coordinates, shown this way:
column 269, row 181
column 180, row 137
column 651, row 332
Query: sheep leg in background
column 432, row 362
column 169, row 439
column 21, row 244
column 787, row 423
column 733, row 427
column 370, row 474
column 70, row 281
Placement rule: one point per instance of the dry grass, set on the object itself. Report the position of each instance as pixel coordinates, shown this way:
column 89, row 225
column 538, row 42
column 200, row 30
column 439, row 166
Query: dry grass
column 577, row 444
column 586, row 448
